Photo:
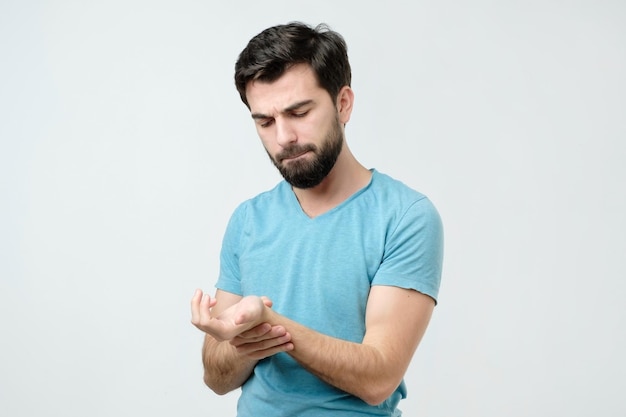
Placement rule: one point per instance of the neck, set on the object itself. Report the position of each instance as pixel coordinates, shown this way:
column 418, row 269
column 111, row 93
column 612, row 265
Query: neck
column 346, row 178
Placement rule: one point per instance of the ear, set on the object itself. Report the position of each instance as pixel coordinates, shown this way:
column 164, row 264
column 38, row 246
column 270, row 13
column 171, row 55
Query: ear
column 345, row 100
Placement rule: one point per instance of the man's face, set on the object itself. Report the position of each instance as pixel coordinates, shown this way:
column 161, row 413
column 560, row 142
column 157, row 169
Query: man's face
column 298, row 124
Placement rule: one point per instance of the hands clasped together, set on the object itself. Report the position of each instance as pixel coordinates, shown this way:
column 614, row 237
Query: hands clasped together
column 245, row 325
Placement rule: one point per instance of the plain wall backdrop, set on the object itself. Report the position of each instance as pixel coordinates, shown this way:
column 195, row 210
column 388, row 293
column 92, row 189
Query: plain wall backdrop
column 124, row 148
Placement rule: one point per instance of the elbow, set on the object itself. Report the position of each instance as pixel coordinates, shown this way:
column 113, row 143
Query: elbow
column 374, row 400
column 219, row 389
column 376, row 394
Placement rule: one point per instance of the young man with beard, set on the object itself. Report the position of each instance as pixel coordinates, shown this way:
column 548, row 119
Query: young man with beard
column 328, row 281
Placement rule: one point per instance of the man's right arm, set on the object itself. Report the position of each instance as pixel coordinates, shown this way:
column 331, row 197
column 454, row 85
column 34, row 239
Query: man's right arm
column 224, row 368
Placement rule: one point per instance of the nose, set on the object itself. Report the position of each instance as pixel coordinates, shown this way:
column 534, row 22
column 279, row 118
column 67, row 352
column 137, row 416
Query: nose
column 285, row 134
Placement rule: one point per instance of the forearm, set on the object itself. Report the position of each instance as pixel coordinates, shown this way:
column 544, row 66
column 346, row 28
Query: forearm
column 372, row 369
column 352, row 367
column 224, row 369
column 360, row 369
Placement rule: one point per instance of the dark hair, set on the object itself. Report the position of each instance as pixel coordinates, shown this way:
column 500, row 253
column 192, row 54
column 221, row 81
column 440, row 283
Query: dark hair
column 276, row 49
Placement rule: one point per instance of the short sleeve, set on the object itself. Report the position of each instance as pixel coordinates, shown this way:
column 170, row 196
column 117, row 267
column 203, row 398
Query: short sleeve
column 413, row 253
column 230, row 278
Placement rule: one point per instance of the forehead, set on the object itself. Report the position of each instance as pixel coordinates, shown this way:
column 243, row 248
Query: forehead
column 297, row 84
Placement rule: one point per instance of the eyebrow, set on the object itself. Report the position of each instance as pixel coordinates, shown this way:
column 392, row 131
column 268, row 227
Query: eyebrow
column 295, row 106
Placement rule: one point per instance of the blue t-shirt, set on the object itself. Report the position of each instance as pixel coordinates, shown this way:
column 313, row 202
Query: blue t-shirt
column 318, row 272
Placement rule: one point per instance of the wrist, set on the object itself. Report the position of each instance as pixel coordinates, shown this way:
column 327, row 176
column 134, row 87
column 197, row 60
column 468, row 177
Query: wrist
column 267, row 315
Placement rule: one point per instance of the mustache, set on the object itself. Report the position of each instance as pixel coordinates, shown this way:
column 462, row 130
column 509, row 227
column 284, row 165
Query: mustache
column 295, row 150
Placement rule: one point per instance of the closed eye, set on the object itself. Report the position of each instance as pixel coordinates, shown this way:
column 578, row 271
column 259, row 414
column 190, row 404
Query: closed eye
column 265, row 122
column 300, row 114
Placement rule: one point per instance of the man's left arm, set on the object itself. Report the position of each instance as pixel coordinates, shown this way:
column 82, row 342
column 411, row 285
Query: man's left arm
column 396, row 319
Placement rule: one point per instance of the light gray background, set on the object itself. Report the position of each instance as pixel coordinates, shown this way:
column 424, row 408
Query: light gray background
column 124, row 149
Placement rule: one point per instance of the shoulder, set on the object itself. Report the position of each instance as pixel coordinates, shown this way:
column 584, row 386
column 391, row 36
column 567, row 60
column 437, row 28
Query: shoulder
column 393, row 190
column 398, row 199
column 263, row 208
column 264, row 200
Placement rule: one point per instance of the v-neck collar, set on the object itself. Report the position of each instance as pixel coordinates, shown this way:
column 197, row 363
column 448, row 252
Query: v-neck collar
column 298, row 208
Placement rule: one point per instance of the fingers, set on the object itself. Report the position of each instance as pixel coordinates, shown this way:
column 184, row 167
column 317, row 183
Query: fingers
column 206, row 303
column 256, row 332
column 261, row 332
column 195, row 307
column 263, row 341
column 262, row 354
column 277, row 339
column 245, row 316
column 201, row 305
column 267, row 301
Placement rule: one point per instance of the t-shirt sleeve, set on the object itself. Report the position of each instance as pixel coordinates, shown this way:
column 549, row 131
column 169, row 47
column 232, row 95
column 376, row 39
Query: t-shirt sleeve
column 229, row 278
column 414, row 251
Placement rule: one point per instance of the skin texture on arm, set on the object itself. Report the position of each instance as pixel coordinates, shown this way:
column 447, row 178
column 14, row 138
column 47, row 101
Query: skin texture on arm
column 223, row 318
column 224, row 369
column 396, row 320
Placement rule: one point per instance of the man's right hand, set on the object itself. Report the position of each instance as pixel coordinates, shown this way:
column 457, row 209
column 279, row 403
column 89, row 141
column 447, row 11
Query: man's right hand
column 235, row 320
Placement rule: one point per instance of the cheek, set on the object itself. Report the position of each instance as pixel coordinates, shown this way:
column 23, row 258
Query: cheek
column 314, row 129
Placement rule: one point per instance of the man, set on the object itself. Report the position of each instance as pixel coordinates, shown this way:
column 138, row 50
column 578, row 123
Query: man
column 328, row 281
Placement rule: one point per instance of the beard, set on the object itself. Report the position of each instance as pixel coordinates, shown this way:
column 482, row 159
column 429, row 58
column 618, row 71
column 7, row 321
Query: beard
column 304, row 173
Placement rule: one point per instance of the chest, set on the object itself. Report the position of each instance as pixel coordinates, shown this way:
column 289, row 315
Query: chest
column 317, row 273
